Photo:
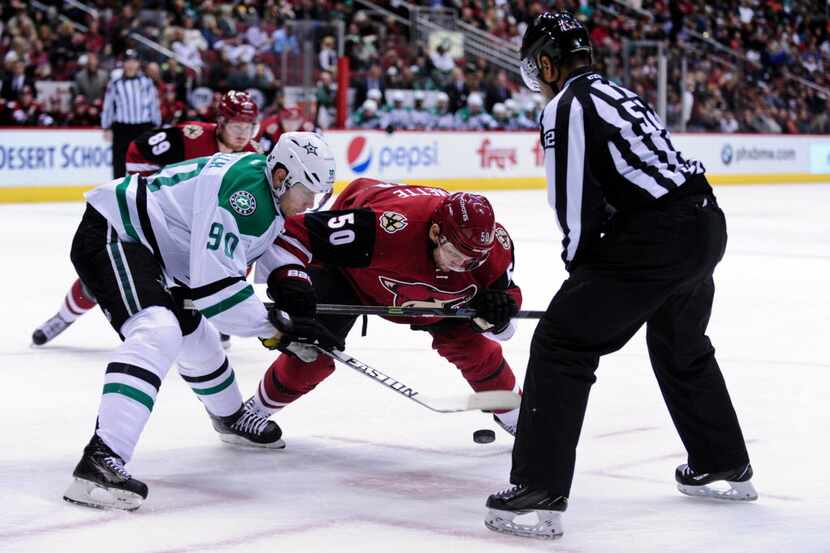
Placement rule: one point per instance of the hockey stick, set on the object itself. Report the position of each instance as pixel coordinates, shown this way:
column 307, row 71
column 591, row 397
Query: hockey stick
column 393, row 311
column 479, row 401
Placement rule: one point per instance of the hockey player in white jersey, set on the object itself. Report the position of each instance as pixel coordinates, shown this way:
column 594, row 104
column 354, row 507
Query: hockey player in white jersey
column 473, row 117
column 189, row 230
column 398, row 117
column 420, row 116
column 442, row 118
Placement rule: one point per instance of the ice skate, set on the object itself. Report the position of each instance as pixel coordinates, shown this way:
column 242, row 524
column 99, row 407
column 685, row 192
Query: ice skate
column 102, row 482
column 48, row 330
column 248, row 427
column 732, row 485
column 543, row 510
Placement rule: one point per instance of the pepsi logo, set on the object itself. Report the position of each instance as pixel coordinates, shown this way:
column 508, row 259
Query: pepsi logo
column 359, row 154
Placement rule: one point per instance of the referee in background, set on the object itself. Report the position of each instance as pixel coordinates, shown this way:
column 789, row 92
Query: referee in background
column 642, row 236
column 131, row 107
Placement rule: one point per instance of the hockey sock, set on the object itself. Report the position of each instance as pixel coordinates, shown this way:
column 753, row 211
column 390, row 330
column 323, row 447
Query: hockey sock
column 204, row 366
column 76, row 303
column 151, row 342
column 287, row 379
column 217, row 390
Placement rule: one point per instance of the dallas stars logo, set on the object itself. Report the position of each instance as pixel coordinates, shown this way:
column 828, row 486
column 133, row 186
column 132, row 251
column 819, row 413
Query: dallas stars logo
column 243, row 202
column 310, row 149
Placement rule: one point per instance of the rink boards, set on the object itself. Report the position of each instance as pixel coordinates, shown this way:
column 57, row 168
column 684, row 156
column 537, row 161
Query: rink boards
column 41, row 165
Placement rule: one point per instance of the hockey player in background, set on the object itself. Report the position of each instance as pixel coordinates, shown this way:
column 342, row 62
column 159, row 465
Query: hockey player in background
column 393, row 244
column 366, row 117
column 442, row 118
column 420, row 116
column 233, row 132
column 289, row 119
column 398, row 117
column 473, row 117
column 198, row 224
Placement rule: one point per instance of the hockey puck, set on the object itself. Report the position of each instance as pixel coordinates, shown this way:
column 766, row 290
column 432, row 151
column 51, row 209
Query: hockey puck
column 484, row 436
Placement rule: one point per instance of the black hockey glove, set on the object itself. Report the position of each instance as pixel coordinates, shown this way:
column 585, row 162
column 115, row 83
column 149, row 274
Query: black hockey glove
column 290, row 288
column 298, row 336
column 494, row 309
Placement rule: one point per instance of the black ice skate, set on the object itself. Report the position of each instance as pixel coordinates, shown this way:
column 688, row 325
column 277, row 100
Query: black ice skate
column 48, row 330
column 248, row 427
column 102, row 482
column 505, row 506
column 733, row 485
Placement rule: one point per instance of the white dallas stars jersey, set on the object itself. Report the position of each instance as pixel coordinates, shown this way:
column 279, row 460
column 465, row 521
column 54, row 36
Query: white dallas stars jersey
column 205, row 220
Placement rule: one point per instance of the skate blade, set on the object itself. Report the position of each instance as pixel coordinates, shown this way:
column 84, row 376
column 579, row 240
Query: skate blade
column 729, row 491
column 548, row 527
column 235, row 440
column 89, row 494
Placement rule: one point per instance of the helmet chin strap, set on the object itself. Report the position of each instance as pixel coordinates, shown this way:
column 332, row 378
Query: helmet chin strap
column 552, row 84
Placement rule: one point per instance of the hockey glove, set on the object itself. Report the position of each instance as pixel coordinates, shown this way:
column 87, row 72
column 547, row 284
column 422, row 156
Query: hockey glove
column 494, row 309
column 298, row 336
column 290, row 288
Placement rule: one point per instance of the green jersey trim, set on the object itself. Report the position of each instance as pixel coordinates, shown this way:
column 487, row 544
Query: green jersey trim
column 228, row 303
column 124, row 209
column 173, row 174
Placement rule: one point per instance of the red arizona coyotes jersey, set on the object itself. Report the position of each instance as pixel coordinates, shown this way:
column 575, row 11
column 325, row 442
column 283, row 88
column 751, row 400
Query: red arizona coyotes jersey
column 154, row 149
column 378, row 234
column 287, row 120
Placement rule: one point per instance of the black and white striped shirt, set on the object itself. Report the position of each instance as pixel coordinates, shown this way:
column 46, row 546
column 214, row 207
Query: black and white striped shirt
column 131, row 100
column 605, row 151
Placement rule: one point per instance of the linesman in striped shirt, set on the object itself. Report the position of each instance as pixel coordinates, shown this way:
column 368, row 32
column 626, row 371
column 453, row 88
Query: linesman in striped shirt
column 131, row 108
column 642, row 236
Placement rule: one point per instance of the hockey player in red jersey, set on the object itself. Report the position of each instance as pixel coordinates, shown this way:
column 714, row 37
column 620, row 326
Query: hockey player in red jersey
column 234, row 131
column 289, row 119
column 393, row 244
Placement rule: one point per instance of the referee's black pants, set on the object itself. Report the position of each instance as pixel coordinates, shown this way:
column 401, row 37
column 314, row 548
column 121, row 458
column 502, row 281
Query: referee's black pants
column 122, row 135
column 655, row 268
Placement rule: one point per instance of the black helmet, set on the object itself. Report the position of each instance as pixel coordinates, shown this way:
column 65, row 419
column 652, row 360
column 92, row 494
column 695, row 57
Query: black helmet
column 558, row 35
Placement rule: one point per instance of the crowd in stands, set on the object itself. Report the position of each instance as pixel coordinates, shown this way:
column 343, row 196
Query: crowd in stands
column 746, row 85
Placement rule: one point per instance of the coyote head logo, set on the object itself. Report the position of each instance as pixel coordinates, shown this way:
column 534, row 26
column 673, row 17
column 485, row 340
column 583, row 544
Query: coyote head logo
column 421, row 294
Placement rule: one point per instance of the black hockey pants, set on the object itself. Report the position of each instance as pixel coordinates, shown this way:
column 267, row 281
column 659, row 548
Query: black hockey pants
column 655, row 268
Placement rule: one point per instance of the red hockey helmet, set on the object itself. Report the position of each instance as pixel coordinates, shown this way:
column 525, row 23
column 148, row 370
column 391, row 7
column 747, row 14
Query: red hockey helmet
column 238, row 106
column 468, row 223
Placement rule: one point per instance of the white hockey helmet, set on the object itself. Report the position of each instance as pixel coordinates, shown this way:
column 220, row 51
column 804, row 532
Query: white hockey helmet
column 419, row 96
column 475, row 99
column 374, row 94
column 511, row 105
column 442, row 98
column 397, row 97
column 370, row 106
column 499, row 109
column 308, row 160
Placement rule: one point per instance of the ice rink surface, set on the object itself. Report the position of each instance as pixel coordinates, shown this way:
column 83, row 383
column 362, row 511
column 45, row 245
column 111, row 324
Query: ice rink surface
column 368, row 471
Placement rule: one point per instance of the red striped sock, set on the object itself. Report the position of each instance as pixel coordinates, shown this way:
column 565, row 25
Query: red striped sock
column 76, row 303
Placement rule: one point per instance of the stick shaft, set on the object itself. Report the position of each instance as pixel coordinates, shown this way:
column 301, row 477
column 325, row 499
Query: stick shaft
column 480, row 401
column 391, row 311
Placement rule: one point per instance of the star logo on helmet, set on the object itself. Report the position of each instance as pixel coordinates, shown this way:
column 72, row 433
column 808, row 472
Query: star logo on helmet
column 310, row 149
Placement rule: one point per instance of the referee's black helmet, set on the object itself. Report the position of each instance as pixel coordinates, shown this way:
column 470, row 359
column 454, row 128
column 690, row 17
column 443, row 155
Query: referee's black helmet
column 555, row 34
